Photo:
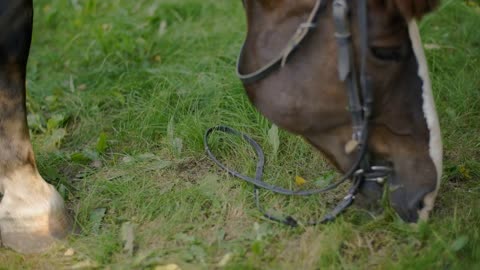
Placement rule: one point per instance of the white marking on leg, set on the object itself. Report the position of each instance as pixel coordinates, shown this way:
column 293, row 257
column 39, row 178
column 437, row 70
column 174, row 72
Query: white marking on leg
column 32, row 213
column 27, row 198
column 435, row 142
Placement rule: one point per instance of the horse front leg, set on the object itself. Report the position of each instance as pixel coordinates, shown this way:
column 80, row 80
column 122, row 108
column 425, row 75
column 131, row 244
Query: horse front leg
column 32, row 213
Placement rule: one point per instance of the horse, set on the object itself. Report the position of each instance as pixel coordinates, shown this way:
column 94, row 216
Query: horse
column 32, row 213
column 351, row 78
column 304, row 96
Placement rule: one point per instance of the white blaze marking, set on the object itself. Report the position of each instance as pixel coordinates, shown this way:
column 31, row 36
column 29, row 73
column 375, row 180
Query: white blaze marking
column 435, row 142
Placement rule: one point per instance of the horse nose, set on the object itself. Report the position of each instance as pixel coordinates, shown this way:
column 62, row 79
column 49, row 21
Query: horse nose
column 408, row 204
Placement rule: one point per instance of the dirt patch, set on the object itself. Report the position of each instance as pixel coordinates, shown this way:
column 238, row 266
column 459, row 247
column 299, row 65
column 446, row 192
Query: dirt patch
column 192, row 169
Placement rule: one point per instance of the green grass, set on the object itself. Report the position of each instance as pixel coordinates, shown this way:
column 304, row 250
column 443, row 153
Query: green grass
column 120, row 93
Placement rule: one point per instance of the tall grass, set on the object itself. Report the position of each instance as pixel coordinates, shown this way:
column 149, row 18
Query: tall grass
column 135, row 84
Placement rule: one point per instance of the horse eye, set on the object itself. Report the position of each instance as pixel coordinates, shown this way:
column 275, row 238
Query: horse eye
column 388, row 53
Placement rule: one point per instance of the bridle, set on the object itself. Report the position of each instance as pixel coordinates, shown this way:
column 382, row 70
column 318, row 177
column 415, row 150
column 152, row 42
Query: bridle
column 360, row 100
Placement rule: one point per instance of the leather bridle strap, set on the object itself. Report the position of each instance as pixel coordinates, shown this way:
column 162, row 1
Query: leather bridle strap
column 374, row 173
column 347, row 72
column 259, row 183
column 360, row 100
column 302, row 31
column 261, row 161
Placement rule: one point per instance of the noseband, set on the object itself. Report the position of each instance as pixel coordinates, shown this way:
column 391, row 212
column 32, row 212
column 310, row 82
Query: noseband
column 360, row 101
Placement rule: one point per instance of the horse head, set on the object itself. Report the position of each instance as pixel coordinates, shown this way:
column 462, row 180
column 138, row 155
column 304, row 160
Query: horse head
column 304, row 94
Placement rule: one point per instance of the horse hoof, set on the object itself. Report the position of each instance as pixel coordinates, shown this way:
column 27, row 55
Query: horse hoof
column 33, row 227
column 31, row 242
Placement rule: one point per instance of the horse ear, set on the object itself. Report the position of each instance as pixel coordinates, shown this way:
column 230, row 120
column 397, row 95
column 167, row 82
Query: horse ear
column 411, row 9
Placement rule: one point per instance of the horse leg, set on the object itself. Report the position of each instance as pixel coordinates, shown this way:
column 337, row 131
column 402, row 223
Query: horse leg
column 32, row 213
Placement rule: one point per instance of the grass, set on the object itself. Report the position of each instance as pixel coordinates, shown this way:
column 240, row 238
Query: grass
column 120, row 93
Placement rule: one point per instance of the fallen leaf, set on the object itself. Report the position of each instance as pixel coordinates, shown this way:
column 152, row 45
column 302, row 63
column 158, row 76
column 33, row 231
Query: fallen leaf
column 127, row 235
column 88, row 264
column 171, row 129
column 171, row 266
column 69, row 252
column 472, row 3
column 459, row 243
column 102, row 143
column 177, row 145
column 432, row 46
column 198, row 253
column 47, row 8
column 54, row 140
column 146, row 156
column 300, row 181
column 97, row 164
column 106, row 27
column 162, row 28
column 72, row 84
column 127, row 159
column 35, row 122
column 465, row 172
column 55, row 121
column 175, row 142
column 96, row 217
column 52, row 101
column 274, row 139
column 157, row 58
column 225, row 259
column 80, row 157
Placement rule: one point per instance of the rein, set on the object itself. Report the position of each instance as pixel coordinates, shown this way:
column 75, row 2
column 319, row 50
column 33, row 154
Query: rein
column 360, row 100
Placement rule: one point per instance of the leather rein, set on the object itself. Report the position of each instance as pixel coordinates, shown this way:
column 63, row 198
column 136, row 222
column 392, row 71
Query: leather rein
column 360, row 100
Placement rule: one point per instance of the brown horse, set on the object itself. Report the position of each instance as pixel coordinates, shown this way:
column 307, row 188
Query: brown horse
column 304, row 95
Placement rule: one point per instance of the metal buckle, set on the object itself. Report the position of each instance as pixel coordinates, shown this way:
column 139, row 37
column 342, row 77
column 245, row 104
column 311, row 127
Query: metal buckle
column 376, row 173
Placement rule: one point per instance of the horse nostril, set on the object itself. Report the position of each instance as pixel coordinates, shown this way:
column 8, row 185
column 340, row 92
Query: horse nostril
column 409, row 205
column 416, row 202
column 420, row 205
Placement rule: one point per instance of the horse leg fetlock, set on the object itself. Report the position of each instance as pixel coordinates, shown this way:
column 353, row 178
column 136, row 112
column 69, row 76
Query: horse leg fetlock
column 32, row 213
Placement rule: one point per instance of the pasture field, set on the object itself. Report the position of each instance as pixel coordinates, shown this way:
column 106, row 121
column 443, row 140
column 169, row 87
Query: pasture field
column 119, row 95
